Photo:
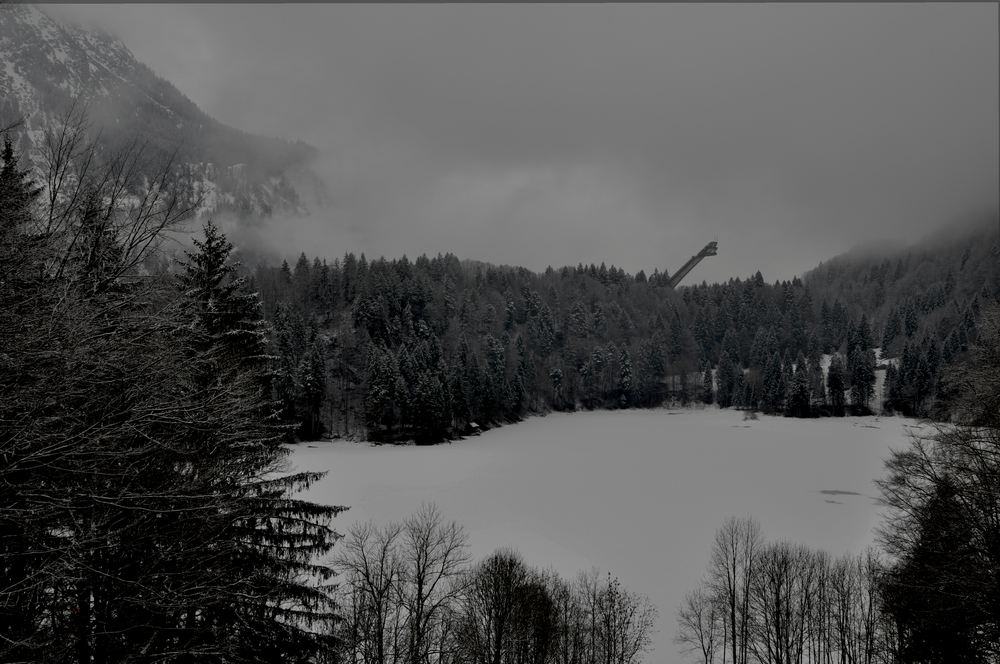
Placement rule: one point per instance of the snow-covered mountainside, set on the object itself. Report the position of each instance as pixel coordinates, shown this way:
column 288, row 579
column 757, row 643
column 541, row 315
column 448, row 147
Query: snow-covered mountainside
column 46, row 64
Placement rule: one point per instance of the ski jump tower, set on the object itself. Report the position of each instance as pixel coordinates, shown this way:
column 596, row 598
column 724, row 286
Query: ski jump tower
column 711, row 249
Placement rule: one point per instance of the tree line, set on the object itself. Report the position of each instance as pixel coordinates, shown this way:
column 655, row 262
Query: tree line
column 408, row 594
column 783, row 603
column 437, row 347
column 929, row 593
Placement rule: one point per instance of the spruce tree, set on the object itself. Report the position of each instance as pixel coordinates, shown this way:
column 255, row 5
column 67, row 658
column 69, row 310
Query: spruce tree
column 771, row 384
column 707, row 394
column 785, row 382
column 556, row 376
column 939, row 593
column 891, row 387
column 865, row 336
column 460, row 405
column 624, row 377
column 727, row 380
column 17, row 193
column 893, row 328
column 799, row 397
column 922, row 385
column 270, row 539
column 311, row 387
column 19, row 249
column 579, row 321
column 226, row 310
column 862, row 378
column 836, row 384
column 758, row 354
column 22, row 304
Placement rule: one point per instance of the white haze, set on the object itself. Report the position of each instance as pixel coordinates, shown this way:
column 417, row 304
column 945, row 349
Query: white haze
column 540, row 135
column 638, row 493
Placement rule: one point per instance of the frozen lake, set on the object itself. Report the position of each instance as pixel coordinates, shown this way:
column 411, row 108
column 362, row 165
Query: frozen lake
column 637, row 493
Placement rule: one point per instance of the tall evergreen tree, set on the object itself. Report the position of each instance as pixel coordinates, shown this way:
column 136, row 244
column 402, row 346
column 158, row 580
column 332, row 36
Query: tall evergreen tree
column 772, row 389
column 862, row 378
column 269, row 538
column 18, row 192
column 893, row 328
column 311, row 388
column 707, row 393
column 836, row 384
column 20, row 250
column 226, row 309
column 624, row 377
column 799, row 397
column 937, row 594
column 727, row 380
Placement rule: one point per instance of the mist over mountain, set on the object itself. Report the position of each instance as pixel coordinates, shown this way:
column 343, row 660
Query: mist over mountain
column 944, row 270
column 49, row 64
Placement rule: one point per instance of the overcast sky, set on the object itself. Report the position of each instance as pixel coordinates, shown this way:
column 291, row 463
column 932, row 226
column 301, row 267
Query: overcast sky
column 626, row 134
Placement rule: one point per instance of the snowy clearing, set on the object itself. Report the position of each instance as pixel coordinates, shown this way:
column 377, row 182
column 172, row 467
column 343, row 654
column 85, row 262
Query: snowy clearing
column 637, row 493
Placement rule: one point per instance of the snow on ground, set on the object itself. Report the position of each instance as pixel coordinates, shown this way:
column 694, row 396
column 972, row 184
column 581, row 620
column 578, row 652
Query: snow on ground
column 636, row 493
column 878, row 394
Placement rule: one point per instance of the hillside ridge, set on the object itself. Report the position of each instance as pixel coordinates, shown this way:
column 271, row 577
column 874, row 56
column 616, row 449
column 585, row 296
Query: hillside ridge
column 48, row 64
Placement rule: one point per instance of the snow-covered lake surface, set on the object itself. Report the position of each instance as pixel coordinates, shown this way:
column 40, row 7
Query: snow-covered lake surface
column 638, row 493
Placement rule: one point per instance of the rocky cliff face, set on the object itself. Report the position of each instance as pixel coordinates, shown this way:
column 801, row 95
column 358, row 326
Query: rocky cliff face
column 45, row 65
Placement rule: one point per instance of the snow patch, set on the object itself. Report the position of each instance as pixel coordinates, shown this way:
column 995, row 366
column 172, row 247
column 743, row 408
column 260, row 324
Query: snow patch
column 637, row 493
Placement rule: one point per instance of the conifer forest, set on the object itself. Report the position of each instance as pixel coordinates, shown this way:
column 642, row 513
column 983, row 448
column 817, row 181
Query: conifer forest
column 426, row 349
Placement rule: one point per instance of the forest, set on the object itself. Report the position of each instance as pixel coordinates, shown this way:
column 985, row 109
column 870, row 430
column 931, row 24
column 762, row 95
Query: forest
column 435, row 348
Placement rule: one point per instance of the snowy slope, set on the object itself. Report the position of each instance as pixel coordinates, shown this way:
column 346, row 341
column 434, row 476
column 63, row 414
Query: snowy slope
column 46, row 64
column 44, row 60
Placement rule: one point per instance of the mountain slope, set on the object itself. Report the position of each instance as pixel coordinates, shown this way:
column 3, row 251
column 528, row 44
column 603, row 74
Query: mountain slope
column 46, row 64
column 932, row 284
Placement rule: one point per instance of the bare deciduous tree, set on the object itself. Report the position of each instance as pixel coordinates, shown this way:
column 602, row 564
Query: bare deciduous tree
column 625, row 623
column 801, row 607
column 734, row 553
column 433, row 553
column 489, row 606
column 700, row 626
column 105, row 210
column 400, row 584
column 571, row 623
column 371, row 566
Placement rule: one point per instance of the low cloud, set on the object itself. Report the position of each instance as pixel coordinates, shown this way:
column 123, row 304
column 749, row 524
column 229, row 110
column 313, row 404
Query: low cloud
column 631, row 135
